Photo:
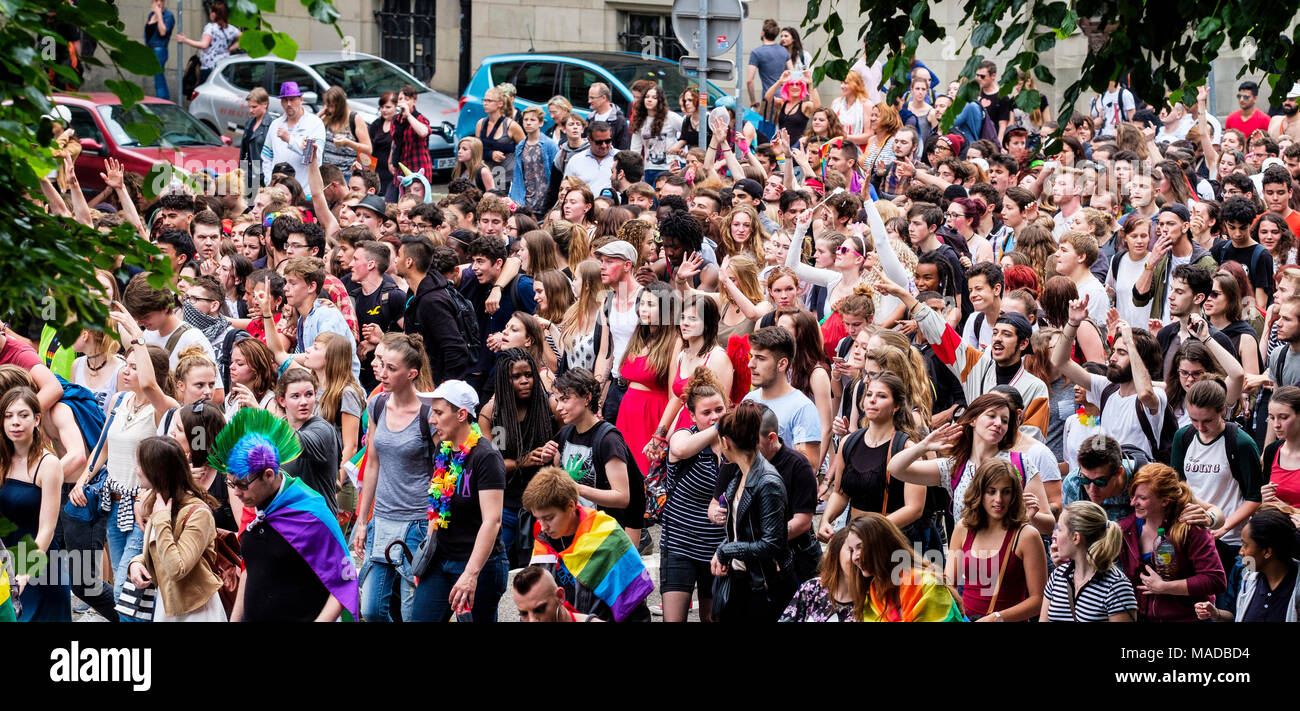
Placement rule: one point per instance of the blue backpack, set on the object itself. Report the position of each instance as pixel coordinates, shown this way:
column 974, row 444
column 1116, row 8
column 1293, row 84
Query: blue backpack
column 86, row 409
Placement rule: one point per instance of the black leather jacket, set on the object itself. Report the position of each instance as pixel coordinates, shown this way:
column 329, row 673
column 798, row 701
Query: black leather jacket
column 760, row 539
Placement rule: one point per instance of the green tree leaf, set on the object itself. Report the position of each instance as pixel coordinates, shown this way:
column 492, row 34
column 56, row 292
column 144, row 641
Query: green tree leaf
column 285, row 47
column 257, row 43
column 130, row 93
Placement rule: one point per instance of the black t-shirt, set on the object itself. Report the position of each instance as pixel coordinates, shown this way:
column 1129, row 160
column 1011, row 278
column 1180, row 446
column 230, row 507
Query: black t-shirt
column 1261, row 276
column 998, row 107
column 576, row 456
column 318, row 465
column 485, row 470
column 223, row 514
column 279, row 586
column 382, row 307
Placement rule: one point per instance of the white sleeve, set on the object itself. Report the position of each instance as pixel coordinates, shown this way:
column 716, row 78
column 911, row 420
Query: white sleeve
column 806, row 272
column 889, row 261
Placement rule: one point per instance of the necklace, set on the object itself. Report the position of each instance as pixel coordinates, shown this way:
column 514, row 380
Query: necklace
column 448, row 467
column 96, row 368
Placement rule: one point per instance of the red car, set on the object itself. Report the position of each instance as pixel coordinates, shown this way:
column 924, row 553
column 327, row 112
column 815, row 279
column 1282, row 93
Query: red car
column 184, row 141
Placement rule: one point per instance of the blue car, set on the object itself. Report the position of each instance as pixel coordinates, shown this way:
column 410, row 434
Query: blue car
column 538, row 77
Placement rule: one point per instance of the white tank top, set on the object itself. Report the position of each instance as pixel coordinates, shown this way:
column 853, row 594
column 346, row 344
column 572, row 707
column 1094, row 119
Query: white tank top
column 621, row 326
column 128, row 430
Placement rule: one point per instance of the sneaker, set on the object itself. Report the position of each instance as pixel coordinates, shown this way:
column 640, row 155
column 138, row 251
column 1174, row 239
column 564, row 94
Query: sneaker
column 79, row 607
column 646, row 545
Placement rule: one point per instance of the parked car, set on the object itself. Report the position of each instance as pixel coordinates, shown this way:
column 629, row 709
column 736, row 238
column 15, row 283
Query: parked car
column 184, row 141
column 538, row 77
column 219, row 102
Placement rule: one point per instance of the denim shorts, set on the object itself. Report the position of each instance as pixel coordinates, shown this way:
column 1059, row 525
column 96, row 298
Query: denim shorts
column 677, row 573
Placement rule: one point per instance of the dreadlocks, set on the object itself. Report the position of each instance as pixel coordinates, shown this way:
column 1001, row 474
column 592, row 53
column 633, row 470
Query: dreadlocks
column 538, row 425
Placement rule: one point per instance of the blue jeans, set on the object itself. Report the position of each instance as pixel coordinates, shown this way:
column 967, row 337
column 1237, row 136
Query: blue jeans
column 160, row 79
column 122, row 547
column 378, row 577
column 432, row 602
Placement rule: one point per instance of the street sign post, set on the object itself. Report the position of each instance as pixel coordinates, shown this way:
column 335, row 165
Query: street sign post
column 708, row 28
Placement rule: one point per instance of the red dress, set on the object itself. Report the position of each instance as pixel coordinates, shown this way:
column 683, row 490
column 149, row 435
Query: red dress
column 640, row 410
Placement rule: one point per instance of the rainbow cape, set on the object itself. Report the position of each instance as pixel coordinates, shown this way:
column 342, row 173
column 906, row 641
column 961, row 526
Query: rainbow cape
column 300, row 515
column 601, row 558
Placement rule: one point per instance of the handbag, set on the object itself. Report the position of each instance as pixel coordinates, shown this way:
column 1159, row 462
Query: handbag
column 1002, row 570
column 421, row 561
column 136, row 603
column 94, row 489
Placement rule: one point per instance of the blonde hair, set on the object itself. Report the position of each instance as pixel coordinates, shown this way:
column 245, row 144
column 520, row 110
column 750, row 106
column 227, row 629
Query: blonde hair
column 1104, row 538
column 475, row 166
column 337, row 376
column 757, row 235
column 745, row 267
column 583, row 315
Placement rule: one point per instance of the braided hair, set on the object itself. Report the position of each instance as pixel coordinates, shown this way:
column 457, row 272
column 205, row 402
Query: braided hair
column 538, row 425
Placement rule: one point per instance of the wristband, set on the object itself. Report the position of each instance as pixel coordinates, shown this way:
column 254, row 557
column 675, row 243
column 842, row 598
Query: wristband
column 1073, row 324
column 496, row 286
column 657, row 438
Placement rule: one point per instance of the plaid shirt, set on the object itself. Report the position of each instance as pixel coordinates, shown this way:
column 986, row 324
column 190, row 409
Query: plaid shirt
column 410, row 149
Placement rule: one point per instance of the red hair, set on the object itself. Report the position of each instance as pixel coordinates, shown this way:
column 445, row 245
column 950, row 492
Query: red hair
column 1019, row 276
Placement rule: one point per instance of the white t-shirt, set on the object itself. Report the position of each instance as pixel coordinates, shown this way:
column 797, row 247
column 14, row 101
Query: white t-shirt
column 1119, row 418
column 1098, row 299
column 192, row 336
column 1075, row 433
column 1206, row 468
column 1044, row 460
column 1128, row 273
column 1109, row 110
column 982, row 339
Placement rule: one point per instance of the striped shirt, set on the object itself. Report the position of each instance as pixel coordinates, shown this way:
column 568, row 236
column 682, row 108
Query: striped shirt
column 1105, row 594
column 687, row 529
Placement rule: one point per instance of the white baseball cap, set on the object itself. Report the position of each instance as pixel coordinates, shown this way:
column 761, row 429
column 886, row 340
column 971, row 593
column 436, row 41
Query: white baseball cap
column 1295, row 91
column 619, row 249
column 459, row 394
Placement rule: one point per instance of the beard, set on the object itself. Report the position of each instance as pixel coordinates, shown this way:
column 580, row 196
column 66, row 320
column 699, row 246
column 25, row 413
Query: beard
column 1119, row 375
column 1290, row 110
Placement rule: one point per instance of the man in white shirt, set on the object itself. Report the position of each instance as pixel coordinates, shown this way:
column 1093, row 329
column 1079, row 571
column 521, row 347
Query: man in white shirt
column 594, row 165
column 294, row 137
column 1066, row 188
column 1126, row 387
column 1078, row 250
column 618, row 316
column 1175, row 124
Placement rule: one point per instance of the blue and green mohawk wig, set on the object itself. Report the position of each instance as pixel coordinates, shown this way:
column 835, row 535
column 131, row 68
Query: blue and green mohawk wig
column 254, row 441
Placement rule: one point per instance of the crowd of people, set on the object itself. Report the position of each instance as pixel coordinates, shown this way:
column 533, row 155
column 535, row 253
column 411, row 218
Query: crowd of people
column 856, row 370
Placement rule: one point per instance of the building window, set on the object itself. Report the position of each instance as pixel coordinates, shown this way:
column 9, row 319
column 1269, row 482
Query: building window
column 650, row 34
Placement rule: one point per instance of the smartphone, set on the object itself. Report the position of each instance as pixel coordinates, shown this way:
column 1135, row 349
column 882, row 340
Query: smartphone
column 309, row 152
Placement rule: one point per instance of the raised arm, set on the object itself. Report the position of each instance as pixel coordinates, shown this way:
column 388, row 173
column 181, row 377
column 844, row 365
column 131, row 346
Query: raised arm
column 1141, row 378
column 319, row 205
column 1061, row 363
column 909, row 466
column 53, row 200
column 889, row 261
column 1232, row 368
column 80, row 210
column 806, row 272
column 114, row 178
column 145, row 376
column 1203, row 127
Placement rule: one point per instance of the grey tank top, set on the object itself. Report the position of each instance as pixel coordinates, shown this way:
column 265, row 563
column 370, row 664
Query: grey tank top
column 402, row 491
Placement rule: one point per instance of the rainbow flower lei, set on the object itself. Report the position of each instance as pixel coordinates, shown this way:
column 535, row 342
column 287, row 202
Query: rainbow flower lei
column 1087, row 420
column 448, row 467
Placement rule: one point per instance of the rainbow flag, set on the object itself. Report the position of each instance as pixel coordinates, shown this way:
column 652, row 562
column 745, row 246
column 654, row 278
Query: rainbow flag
column 301, row 516
column 603, row 559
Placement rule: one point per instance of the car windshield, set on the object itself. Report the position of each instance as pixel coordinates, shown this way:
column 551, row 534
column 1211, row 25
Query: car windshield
column 177, row 127
column 365, row 78
column 666, row 74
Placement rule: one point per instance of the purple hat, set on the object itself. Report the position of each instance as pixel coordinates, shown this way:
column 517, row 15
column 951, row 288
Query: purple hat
column 289, row 90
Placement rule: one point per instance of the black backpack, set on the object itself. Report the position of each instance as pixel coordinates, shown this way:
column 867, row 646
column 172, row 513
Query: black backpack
column 1229, row 444
column 1160, row 450
column 467, row 321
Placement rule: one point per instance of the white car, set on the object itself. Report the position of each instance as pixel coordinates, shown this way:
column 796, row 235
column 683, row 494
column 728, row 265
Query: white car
column 219, row 101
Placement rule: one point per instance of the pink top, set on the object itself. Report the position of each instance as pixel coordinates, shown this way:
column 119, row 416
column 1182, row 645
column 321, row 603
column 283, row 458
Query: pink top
column 679, row 389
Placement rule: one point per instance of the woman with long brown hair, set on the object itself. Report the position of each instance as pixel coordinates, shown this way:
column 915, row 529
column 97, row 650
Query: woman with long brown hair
column 986, row 430
column 895, row 583
column 823, row 127
column 1090, row 343
column 180, row 529
column 347, row 137
column 538, row 254
column 1037, row 244
column 829, row 596
column 858, row 475
column 698, row 348
column 31, row 486
column 252, row 376
column 654, row 130
column 1173, row 565
column 646, row 366
column 810, row 369
column 1002, row 566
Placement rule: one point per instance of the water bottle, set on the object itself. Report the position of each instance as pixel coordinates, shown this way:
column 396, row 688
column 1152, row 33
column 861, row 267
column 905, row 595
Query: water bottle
column 1162, row 558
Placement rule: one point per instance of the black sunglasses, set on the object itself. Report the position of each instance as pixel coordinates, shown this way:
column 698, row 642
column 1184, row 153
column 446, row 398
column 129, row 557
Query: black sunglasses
column 602, row 142
column 1100, row 481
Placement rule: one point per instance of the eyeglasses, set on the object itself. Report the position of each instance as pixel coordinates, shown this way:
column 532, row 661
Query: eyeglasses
column 240, row 485
column 295, row 245
column 602, row 141
column 1245, row 96
column 199, row 298
column 955, row 215
column 1100, row 481
column 1190, row 374
column 845, row 249
column 981, row 76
